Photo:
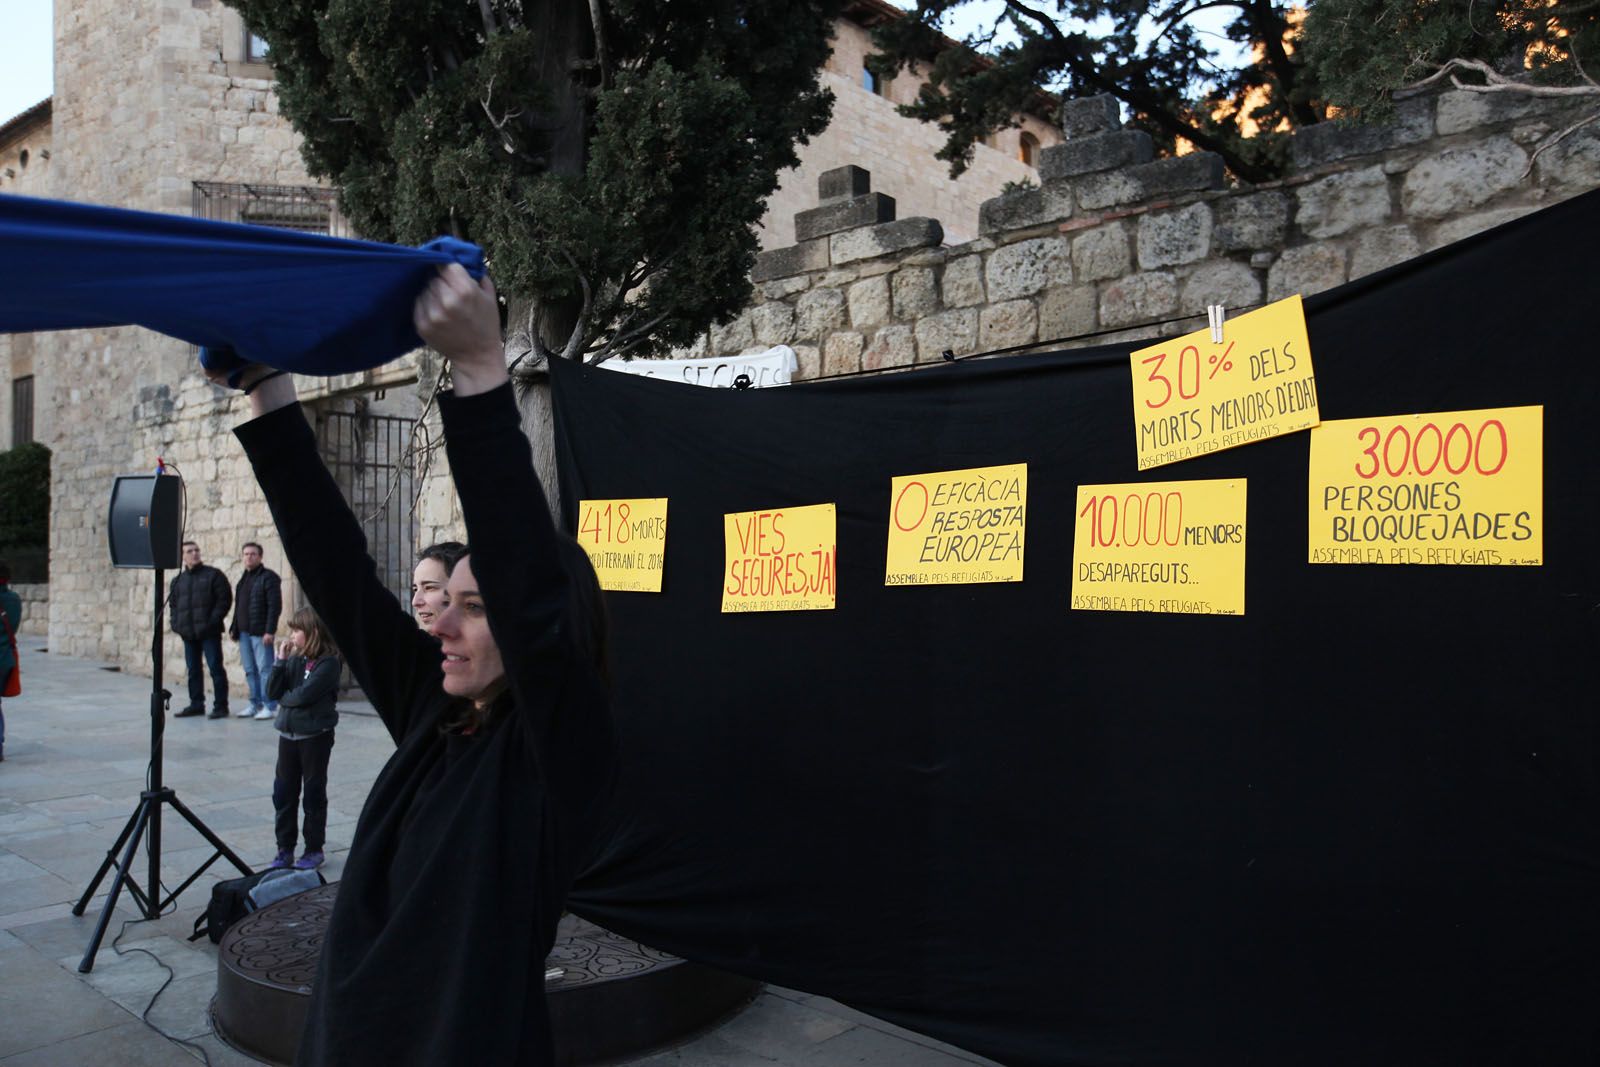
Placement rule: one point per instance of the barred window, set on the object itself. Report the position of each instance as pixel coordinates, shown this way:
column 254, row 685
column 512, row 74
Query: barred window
column 308, row 208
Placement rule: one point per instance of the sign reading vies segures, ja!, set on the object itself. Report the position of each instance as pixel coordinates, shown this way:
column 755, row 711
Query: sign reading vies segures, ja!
column 1452, row 487
column 1192, row 396
column 1160, row 546
column 781, row 559
column 957, row 527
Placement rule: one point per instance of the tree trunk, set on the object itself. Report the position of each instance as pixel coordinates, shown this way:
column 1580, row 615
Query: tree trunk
column 569, row 35
column 538, row 423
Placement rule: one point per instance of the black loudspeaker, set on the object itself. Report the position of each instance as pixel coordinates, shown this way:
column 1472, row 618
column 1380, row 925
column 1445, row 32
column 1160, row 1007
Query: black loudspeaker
column 146, row 524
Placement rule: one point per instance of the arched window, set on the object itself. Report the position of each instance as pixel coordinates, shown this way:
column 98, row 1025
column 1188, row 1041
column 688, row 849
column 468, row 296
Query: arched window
column 1028, row 149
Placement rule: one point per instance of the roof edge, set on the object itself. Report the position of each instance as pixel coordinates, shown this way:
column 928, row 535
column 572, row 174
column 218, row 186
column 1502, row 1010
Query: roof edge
column 16, row 123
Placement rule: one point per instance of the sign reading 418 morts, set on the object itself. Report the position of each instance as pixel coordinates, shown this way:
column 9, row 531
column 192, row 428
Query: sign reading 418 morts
column 1160, row 546
column 1452, row 487
column 626, row 541
column 1192, row 396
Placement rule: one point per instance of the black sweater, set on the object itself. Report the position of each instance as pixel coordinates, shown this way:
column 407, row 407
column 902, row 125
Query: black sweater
column 306, row 695
column 467, row 844
column 257, row 602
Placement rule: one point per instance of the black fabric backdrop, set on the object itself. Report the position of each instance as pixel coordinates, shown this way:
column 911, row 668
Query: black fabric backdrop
column 1355, row 825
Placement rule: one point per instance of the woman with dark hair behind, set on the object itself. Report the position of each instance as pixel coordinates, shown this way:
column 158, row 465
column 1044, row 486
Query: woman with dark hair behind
column 504, row 756
column 428, row 579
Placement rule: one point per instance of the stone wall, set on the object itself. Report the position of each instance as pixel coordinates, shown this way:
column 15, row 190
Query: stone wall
column 153, row 95
column 35, row 608
column 1115, row 244
column 25, row 155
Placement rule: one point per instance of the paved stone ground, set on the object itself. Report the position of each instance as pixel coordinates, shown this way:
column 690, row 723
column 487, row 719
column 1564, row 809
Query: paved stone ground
column 76, row 755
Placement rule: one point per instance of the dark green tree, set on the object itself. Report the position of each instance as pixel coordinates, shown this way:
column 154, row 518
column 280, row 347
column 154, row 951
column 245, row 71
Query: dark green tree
column 612, row 157
column 1363, row 52
column 1151, row 56
column 25, row 510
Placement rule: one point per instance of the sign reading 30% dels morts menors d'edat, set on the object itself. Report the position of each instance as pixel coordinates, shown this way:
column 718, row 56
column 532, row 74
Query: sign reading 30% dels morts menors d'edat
column 1192, row 395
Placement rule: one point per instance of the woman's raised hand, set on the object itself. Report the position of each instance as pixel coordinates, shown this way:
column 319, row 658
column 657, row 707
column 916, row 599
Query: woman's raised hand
column 460, row 319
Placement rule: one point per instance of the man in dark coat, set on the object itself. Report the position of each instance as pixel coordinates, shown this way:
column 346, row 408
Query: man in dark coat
column 200, row 599
column 258, row 601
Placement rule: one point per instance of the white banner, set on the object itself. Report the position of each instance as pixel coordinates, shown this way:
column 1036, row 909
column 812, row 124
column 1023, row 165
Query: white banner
column 775, row 366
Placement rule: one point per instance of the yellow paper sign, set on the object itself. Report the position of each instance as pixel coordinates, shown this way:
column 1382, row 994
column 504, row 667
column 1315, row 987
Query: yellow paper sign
column 785, row 559
column 626, row 541
column 957, row 527
column 1192, row 396
column 1160, row 546
column 1453, row 487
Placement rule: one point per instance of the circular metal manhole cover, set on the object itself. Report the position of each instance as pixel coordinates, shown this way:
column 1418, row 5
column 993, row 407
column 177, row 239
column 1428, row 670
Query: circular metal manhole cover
column 612, row 997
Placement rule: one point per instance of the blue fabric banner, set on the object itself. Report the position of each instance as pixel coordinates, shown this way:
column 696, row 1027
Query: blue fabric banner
column 304, row 302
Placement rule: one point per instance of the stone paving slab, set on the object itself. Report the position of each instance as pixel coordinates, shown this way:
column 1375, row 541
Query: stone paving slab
column 77, row 744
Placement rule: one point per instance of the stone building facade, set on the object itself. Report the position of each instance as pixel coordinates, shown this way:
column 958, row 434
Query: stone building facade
column 865, row 126
column 1117, row 245
column 25, row 151
column 155, row 96
column 160, row 105
column 151, row 96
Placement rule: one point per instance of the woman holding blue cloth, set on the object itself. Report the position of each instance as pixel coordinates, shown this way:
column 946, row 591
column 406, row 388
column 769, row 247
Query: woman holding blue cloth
column 504, row 754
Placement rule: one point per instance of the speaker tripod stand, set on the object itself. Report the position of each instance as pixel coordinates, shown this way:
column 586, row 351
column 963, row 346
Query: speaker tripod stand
column 146, row 820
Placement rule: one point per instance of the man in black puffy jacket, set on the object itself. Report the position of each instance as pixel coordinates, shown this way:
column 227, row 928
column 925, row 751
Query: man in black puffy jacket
column 200, row 599
column 258, row 602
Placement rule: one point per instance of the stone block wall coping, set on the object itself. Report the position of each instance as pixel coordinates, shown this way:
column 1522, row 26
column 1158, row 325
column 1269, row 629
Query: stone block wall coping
column 843, row 183
column 1138, row 251
column 1090, row 115
column 843, row 213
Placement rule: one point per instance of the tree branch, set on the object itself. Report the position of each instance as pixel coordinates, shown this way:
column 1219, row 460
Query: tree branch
column 1494, row 82
column 1270, row 28
column 1068, row 55
column 575, row 341
column 602, row 54
column 620, row 343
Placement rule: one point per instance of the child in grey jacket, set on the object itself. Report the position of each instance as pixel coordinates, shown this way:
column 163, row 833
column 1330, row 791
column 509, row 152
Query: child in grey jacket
column 305, row 683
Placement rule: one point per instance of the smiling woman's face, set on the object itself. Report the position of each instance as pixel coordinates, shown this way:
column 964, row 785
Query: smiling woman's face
column 427, row 592
column 472, row 664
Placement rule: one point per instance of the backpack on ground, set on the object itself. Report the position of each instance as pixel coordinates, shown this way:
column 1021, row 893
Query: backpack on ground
column 233, row 899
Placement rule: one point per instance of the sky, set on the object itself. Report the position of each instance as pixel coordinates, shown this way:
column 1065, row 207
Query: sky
column 24, row 55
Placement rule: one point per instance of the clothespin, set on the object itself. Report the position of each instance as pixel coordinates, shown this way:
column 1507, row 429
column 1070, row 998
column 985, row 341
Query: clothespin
column 1215, row 313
